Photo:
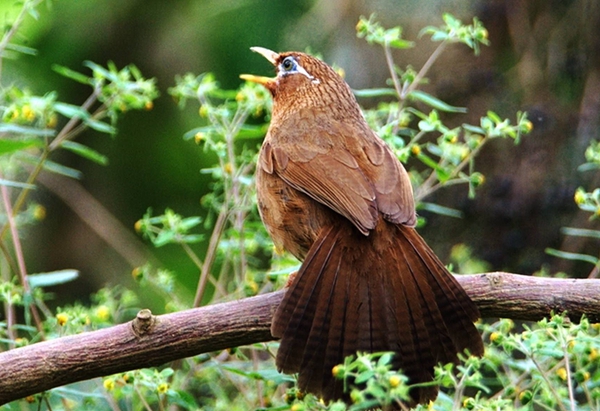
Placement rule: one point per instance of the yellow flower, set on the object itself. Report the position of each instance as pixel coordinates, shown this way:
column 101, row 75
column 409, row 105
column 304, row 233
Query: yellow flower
column 228, row 168
column 163, row 388
column 103, row 313
column 39, row 212
column 252, row 286
column 562, row 373
column 198, row 137
column 28, row 113
column 416, row 150
column 62, row 318
column 335, row 370
column 149, row 105
column 528, row 126
column 138, row 226
column 394, row 381
column 137, row 273
column 203, row 111
column 109, row 384
column 51, row 121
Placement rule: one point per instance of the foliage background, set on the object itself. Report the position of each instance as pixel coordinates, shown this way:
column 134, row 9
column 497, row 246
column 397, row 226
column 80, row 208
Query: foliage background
column 541, row 60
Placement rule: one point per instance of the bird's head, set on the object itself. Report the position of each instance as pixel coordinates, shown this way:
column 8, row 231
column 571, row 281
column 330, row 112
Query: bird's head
column 304, row 81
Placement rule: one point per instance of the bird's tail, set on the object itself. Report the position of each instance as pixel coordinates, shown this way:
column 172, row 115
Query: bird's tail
column 384, row 292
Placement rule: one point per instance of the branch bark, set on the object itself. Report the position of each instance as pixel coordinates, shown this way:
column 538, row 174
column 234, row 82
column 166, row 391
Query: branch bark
column 154, row 340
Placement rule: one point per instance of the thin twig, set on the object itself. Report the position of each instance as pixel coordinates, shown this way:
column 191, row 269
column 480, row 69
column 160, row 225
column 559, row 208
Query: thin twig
column 211, row 252
column 19, row 254
column 392, row 68
column 545, row 377
column 429, row 186
column 28, row 5
column 421, row 74
column 563, row 342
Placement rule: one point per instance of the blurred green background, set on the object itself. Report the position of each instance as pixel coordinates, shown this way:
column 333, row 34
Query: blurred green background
column 544, row 58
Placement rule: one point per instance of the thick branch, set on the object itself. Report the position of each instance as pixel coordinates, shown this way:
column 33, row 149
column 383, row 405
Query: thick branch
column 153, row 340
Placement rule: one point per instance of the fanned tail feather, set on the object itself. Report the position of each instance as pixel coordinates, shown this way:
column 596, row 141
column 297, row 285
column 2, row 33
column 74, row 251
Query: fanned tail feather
column 384, row 292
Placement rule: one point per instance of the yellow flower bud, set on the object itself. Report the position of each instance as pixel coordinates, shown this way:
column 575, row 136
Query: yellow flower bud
column 103, row 313
column 416, row 150
column 495, row 337
column 163, row 388
column 39, row 212
column 28, row 113
column 562, row 373
column 394, row 381
column 51, row 121
column 62, row 318
column 109, row 384
column 203, row 111
column 137, row 273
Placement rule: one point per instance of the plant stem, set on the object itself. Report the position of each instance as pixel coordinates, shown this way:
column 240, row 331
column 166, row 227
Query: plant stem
column 15, row 26
column 211, row 253
column 429, row 186
column 19, row 254
column 421, row 74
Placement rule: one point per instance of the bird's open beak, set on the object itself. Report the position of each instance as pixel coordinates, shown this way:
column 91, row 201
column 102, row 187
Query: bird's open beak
column 269, row 55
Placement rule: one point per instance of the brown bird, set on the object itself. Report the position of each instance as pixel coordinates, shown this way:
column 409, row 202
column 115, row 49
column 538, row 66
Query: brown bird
column 332, row 193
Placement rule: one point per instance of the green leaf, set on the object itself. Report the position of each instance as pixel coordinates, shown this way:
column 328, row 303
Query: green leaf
column 10, row 183
column 73, row 75
column 17, row 129
column 441, row 210
column 572, row 256
column 71, row 110
column 375, row 92
column 251, row 132
column 21, row 49
column 100, row 126
column 580, row 232
column 10, row 146
column 364, row 376
column 183, row 398
column 85, row 151
column 52, row 278
column 473, row 129
column 435, row 102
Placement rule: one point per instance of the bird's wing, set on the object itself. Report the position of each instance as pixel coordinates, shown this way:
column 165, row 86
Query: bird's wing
column 353, row 174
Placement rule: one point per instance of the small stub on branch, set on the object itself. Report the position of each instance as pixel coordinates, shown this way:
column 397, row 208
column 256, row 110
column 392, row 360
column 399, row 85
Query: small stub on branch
column 143, row 322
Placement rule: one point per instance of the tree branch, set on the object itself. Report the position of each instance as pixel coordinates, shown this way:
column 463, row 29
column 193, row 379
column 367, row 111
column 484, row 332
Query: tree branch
column 154, row 340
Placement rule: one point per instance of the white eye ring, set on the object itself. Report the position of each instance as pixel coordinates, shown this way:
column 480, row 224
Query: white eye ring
column 286, row 69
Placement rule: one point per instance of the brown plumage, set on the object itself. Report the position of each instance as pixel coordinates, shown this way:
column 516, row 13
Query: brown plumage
column 333, row 194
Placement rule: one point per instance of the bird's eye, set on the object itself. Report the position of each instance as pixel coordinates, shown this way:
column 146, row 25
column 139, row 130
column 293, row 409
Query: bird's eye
column 288, row 64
